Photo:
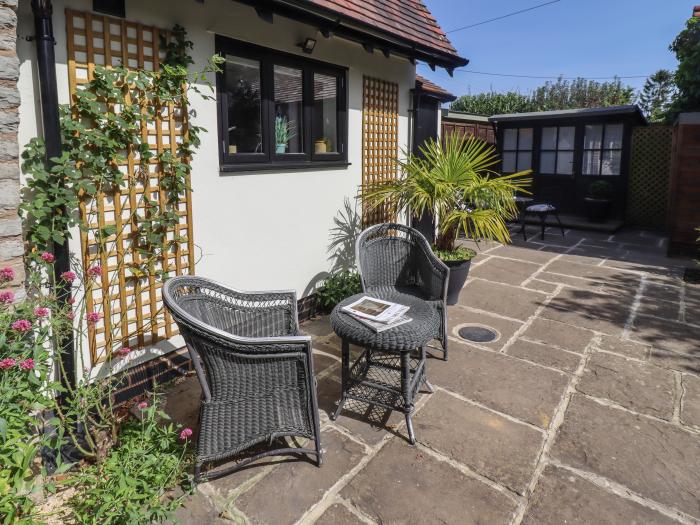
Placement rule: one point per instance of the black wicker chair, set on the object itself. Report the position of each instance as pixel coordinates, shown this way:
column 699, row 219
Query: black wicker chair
column 393, row 258
column 255, row 369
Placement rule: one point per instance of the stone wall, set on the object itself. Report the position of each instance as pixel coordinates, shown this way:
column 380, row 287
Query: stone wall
column 11, row 248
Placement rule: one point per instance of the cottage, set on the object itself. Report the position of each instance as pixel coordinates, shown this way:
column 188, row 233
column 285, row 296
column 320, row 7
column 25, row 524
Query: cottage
column 315, row 98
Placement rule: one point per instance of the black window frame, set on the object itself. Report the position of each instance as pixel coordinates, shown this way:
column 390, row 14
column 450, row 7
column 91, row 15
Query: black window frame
column 556, row 150
column 517, row 149
column 269, row 159
column 602, row 149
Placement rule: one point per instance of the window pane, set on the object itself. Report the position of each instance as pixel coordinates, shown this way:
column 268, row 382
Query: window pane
column 524, row 160
column 547, row 162
column 565, row 162
column 325, row 114
column 509, row 139
column 288, row 110
column 509, row 162
column 566, row 137
column 549, row 138
column 244, row 108
column 593, row 137
column 613, row 136
column 591, row 162
column 611, row 163
column 525, row 139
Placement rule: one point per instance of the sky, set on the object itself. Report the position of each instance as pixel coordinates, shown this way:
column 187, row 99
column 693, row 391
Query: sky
column 587, row 38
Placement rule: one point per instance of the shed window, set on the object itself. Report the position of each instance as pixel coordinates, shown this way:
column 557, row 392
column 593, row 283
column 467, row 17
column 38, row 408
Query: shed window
column 517, row 149
column 602, row 149
column 557, row 150
column 278, row 110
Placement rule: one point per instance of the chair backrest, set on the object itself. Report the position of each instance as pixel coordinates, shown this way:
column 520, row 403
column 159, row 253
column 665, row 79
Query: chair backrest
column 391, row 255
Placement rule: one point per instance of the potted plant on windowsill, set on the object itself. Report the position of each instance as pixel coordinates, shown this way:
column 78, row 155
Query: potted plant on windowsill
column 284, row 132
column 455, row 182
column 599, row 201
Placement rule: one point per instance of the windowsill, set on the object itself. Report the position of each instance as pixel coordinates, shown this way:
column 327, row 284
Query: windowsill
column 283, row 166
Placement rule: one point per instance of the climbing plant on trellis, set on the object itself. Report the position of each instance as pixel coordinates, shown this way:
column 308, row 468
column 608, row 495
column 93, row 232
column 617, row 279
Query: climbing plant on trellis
column 380, row 143
column 650, row 165
column 128, row 294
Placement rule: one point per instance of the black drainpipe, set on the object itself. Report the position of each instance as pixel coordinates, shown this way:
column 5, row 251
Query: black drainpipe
column 46, row 66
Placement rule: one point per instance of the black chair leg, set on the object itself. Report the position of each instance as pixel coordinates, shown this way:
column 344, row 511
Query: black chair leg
column 561, row 227
column 523, row 226
column 543, row 219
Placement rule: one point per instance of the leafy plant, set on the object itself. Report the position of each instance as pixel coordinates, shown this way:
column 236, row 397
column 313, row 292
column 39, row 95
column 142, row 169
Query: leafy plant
column 131, row 484
column 284, row 130
column 458, row 254
column 686, row 46
column 656, row 96
column 336, row 287
column 600, row 189
column 455, row 182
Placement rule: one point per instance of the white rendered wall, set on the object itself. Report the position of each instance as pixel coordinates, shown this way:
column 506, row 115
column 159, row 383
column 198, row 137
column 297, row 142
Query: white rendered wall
column 253, row 230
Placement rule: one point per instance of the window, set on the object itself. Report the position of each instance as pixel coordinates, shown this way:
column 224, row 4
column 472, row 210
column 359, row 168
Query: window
column 557, row 150
column 602, row 149
column 279, row 110
column 517, row 149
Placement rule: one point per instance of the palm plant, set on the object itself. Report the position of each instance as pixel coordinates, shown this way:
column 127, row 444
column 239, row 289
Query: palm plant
column 457, row 183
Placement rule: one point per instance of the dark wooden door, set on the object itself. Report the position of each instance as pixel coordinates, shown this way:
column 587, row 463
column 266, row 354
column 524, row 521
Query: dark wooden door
column 425, row 127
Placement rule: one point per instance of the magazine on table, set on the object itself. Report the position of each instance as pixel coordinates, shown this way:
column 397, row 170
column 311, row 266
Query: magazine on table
column 376, row 310
column 381, row 327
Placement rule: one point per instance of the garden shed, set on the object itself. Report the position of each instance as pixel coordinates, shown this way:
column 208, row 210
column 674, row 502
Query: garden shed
column 567, row 150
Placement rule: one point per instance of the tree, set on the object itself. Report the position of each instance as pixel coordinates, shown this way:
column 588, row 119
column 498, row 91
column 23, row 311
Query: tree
column 561, row 94
column 686, row 46
column 656, row 96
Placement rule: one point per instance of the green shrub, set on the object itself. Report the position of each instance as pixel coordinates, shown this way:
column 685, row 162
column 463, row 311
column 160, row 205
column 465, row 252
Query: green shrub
column 133, row 483
column 600, row 189
column 458, row 254
column 337, row 287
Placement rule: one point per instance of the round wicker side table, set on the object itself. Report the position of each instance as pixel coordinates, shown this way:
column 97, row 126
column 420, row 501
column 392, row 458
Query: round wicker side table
column 391, row 367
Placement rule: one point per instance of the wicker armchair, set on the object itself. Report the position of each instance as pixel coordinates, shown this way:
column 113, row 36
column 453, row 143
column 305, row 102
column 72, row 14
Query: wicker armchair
column 393, row 258
column 255, row 369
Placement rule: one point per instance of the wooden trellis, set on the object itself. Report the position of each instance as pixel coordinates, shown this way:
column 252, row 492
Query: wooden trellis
column 650, row 167
column 380, row 142
column 129, row 301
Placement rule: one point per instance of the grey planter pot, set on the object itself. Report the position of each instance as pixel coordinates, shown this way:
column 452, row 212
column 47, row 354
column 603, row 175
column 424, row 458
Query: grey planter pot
column 459, row 271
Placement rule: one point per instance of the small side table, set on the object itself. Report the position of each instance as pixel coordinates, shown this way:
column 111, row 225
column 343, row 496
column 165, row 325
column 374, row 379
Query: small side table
column 391, row 367
column 542, row 210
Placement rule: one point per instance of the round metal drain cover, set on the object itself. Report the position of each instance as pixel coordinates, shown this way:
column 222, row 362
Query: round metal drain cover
column 478, row 334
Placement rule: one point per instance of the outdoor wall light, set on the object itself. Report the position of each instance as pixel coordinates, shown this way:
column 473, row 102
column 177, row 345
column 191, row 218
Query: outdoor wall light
column 307, row 46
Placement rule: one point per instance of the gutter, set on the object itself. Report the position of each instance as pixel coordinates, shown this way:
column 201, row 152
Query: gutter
column 46, row 67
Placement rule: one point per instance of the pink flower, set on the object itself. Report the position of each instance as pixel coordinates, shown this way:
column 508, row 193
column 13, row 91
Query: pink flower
column 40, row 311
column 71, row 300
column 123, row 351
column 6, row 297
column 93, row 317
column 95, row 271
column 27, row 364
column 186, row 432
column 6, row 274
column 69, row 276
column 21, row 325
column 48, row 257
column 6, row 363
column 142, row 405
column 70, row 315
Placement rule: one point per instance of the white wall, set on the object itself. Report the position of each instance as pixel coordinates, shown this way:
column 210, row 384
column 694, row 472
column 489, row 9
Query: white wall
column 255, row 230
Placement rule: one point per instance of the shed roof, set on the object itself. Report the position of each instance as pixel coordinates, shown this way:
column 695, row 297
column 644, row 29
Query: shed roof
column 629, row 110
column 433, row 89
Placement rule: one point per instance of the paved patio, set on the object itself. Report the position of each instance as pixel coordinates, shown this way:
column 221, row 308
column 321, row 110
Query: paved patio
column 586, row 409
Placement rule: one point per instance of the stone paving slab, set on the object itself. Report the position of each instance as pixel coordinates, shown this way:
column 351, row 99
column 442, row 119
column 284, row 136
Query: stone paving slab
column 664, row 292
column 555, row 333
column 286, row 493
column 656, row 460
column 540, row 286
column 666, row 335
column 563, row 497
column 523, row 254
column 501, row 299
column 401, row 484
column 605, row 313
column 545, row 355
column 487, row 443
column 520, row 389
column 338, row 514
column 624, row 347
column 659, row 308
column 641, row 387
column 682, row 362
column 690, row 405
column 506, row 271
column 614, row 277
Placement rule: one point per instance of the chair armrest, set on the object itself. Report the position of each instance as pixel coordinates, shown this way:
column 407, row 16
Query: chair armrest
column 437, row 286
